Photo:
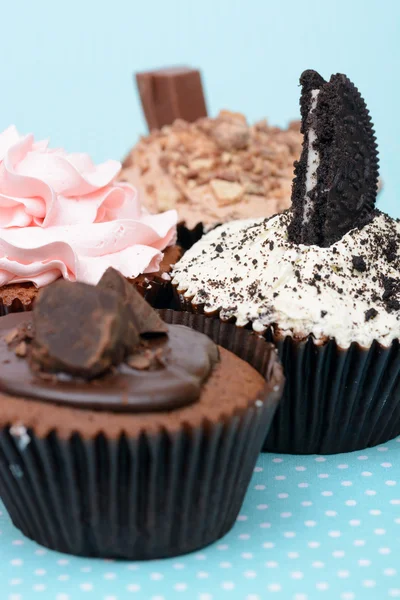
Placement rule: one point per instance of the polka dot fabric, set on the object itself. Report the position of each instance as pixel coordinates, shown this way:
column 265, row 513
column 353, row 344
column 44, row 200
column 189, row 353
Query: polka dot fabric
column 311, row 527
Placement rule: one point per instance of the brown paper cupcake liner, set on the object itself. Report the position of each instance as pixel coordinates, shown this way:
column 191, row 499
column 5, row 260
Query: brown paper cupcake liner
column 150, row 496
column 14, row 307
column 188, row 237
column 334, row 400
column 17, row 298
column 156, row 291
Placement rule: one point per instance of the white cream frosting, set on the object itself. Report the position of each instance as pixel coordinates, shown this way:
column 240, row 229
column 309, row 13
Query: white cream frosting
column 249, row 270
column 312, row 161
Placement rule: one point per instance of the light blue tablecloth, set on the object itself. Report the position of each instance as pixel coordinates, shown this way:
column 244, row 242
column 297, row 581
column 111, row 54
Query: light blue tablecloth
column 310, row 528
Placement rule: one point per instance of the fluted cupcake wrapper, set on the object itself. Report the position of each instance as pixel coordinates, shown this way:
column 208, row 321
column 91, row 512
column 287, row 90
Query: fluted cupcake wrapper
column 150, row 496
column 334, row 400
column 156, row 292
column 188, row 237
column 15, row 307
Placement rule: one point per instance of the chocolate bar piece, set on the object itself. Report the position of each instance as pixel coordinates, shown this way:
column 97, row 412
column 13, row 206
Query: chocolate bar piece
column 84, row 330
column 170, row 94
column 79, row 329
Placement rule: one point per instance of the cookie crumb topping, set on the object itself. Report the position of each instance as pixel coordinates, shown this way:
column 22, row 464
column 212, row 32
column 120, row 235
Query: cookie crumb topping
column 349, row 291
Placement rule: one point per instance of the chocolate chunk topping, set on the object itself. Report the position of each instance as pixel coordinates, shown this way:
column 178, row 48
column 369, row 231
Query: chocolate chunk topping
column 21, row 349
column 140, row 316
column 335, row 184
column 108, row 322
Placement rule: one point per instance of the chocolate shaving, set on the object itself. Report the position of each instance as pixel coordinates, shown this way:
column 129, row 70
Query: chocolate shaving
column 140, row 316
column 141, row 362
column 18, row 339
column 12, row 336
column 146, row 359
column 21, row 349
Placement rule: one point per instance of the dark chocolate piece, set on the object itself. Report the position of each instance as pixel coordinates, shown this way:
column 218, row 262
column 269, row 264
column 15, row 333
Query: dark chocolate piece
column 170, row 94
column 343, row 173
column 80, row 330
column 109, row 321
column 165, row 374
column 139, row 313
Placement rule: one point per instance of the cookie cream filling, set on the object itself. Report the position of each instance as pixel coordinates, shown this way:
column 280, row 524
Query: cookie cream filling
column 313, row 161
column 249, row 270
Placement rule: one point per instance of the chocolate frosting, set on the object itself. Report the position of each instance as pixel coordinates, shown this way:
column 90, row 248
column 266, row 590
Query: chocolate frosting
column 187, row 360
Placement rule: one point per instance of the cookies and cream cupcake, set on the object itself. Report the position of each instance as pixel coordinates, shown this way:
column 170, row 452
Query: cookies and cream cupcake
column 123, row 435
column 63, row 216
column 322, row 280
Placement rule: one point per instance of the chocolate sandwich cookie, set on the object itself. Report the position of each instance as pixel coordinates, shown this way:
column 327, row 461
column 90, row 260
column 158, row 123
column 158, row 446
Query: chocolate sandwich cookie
column 123, row 434
column 336, row 178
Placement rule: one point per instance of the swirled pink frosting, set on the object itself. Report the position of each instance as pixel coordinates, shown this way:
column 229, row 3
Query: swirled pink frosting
column 63, row 216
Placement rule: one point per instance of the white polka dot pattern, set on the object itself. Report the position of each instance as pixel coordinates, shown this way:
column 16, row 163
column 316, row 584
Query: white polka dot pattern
column 311, row 528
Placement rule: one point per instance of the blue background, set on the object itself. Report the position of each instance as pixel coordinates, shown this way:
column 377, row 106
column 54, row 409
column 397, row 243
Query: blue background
column 310, row 528
column 66, row 68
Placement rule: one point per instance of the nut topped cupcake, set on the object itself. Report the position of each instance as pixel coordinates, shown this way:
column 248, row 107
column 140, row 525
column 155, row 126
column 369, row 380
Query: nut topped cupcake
column 322, row 280
column 63, row 216
column 215, row 170
column 123, row 435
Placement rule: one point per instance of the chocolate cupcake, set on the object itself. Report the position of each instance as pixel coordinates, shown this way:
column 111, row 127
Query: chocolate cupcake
column 154, row 287
column 214, row 170
column 63, row 216
column 124, row 436
column 322, row 281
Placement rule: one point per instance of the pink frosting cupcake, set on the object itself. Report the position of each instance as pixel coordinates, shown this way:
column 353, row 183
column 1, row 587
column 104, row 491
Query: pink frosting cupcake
column 63, row 216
